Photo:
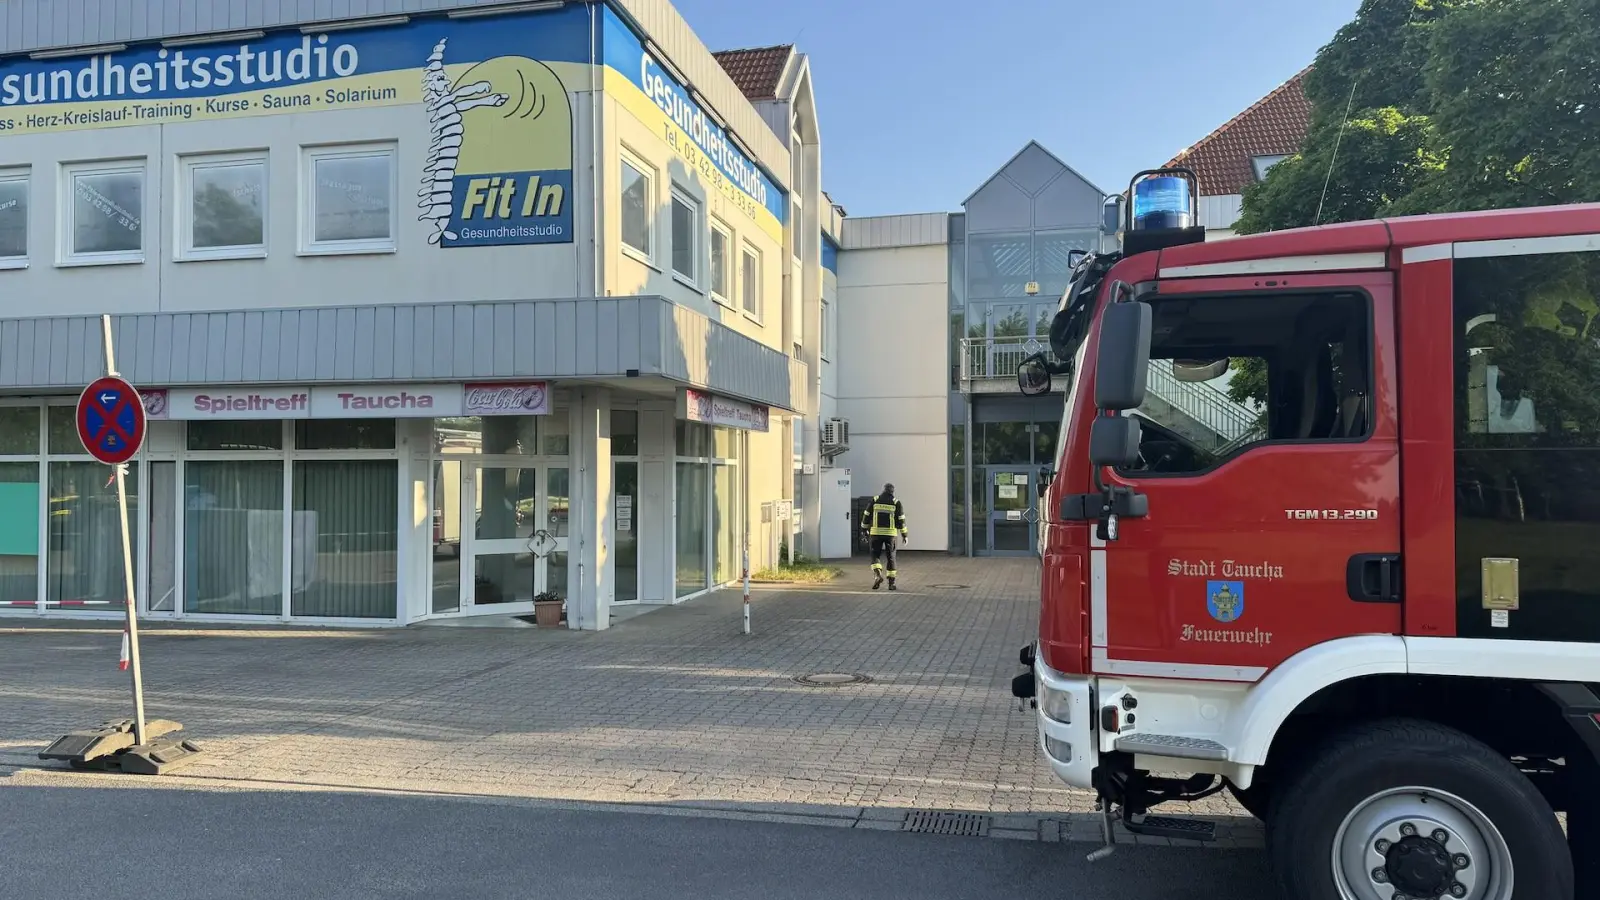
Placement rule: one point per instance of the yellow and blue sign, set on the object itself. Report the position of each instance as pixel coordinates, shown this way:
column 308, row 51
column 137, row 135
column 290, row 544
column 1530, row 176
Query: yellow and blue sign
column 499, row 166
column 499, row 163
column 643, row 86
column 1225, row 600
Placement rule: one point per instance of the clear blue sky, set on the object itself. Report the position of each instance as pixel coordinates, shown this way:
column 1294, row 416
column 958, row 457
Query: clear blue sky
column 921, row 100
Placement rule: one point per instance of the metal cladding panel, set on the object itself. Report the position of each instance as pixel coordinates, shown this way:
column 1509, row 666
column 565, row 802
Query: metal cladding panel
column 604, row 337
column 874, row 232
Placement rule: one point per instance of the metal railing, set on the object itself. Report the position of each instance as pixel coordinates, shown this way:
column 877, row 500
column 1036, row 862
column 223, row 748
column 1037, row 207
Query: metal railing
column 1201, row 402
column 989, row 364
column 985, row 362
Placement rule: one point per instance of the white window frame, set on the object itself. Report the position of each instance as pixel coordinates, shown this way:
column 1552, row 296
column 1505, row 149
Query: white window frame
column 67, row 207
column 692, row 279
column 797, row 293
column 23, row 176
column 648, row 172
column 1260, row 165
column 729, row 246
column 824, row 345
column 747, row 249
column 309, row 155
column 183, row 244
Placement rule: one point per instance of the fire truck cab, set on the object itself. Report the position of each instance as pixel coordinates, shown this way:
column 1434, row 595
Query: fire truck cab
column 1306, row 481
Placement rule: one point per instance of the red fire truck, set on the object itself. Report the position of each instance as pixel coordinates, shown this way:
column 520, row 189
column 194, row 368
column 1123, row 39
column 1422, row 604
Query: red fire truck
column 1313, row 597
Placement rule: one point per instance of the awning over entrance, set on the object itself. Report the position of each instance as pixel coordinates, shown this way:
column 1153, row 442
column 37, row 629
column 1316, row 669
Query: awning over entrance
column 599, row 338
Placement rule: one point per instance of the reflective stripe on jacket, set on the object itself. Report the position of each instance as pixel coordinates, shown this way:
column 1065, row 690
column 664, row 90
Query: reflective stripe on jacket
column 884, row 518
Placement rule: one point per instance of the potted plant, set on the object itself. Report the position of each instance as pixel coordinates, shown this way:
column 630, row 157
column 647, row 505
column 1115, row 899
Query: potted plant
column 547, row 609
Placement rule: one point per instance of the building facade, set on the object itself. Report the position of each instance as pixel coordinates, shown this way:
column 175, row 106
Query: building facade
column 964, row 448
column 949, row 429
column 436, row 307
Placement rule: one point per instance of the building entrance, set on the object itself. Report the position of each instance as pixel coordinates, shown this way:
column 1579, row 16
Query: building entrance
column 510, row 531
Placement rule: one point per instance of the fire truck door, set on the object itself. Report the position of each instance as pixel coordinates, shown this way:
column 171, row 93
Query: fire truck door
column 1273, row 517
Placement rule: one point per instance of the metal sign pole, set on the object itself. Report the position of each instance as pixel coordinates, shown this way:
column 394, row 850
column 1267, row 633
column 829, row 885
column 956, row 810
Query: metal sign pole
column 112, row 424
column 744, row 441
column 127, row 561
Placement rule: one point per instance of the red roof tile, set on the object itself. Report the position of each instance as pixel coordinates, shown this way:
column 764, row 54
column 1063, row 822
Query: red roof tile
column 1274, row 125
column 758, row 70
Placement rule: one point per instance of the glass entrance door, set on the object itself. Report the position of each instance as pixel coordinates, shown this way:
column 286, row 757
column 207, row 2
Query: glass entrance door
column 516, row 543
column 625, row 535
column 1013, row 515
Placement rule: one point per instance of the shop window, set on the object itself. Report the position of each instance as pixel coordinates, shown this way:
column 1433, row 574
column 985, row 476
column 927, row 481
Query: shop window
column 685, row 236
column 347, row 199
column 693, row 439
column 346, row 539
column 85, row 521
column 13, row 219
column 691, row 527
column 721, row 264
column 19, row 532
column 553, row 434
column 19, row 430
column 61, row 432
column 724, row 520
column 162, row 528
column 222, row 210
column 750, row 281
column 638, row 204
column 344, row 434
column 233, row 537
column 498, row 435
column 244, row 435
column 625, row 432
column 102, row 213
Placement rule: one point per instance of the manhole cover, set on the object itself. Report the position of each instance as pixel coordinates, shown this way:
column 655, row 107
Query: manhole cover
column 925, row 821
column 831, row 679
column 951, row 587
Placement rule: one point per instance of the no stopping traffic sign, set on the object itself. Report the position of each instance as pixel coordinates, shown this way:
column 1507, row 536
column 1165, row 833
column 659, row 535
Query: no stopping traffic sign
column 111, row 420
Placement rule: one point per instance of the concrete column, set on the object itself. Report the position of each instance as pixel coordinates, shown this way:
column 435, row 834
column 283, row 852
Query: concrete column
column 593, row 502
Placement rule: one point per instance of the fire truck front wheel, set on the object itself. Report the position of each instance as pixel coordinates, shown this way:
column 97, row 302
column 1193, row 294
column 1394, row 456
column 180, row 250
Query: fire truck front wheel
column 1403, row 808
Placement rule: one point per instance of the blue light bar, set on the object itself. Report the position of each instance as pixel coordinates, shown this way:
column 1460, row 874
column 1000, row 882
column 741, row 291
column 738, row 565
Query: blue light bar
column 1161, row 202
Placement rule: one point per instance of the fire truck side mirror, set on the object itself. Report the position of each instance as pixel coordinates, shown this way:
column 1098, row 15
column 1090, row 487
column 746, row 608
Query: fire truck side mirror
column 1124, row 356
column 1114, row 441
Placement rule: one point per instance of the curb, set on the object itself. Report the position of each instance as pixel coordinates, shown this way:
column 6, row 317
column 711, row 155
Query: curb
column 1062, row 828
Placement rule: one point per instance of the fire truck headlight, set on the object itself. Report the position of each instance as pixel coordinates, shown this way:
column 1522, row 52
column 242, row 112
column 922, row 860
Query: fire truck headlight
column 1055, row 704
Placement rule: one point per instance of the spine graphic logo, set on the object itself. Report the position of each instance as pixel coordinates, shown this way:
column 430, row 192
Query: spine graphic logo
column 445, row 105
column 499, row 168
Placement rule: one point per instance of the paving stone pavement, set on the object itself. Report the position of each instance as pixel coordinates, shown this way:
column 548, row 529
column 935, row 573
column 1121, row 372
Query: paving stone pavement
column 671, row 707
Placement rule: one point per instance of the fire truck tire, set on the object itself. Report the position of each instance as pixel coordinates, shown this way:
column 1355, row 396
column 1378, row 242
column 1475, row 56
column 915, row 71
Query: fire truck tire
column 1254, row 799
column 1409, row 808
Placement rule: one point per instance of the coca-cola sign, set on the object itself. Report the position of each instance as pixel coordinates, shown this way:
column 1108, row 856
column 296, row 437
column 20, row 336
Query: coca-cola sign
column 521, row 398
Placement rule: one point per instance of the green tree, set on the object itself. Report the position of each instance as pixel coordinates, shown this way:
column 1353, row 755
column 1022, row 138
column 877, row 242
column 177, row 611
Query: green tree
column 1422, row 106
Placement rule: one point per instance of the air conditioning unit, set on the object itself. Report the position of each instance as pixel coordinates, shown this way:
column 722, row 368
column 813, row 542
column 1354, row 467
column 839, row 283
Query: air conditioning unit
column 835, row 437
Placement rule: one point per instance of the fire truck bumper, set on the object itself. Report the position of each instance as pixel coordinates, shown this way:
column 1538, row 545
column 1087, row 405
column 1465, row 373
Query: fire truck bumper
column 1066, row 725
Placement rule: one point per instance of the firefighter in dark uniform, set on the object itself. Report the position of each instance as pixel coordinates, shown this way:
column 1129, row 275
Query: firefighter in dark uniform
column 880, row 522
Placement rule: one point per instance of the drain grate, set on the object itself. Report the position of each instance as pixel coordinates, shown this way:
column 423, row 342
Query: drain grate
column 831, row 679
column 950, row 587
column 924, row 821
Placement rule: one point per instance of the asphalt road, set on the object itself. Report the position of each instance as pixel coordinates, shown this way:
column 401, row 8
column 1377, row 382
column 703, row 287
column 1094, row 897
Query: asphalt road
column 66, row 838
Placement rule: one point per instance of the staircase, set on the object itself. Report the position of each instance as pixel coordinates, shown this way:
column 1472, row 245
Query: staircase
column 1196, row 410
